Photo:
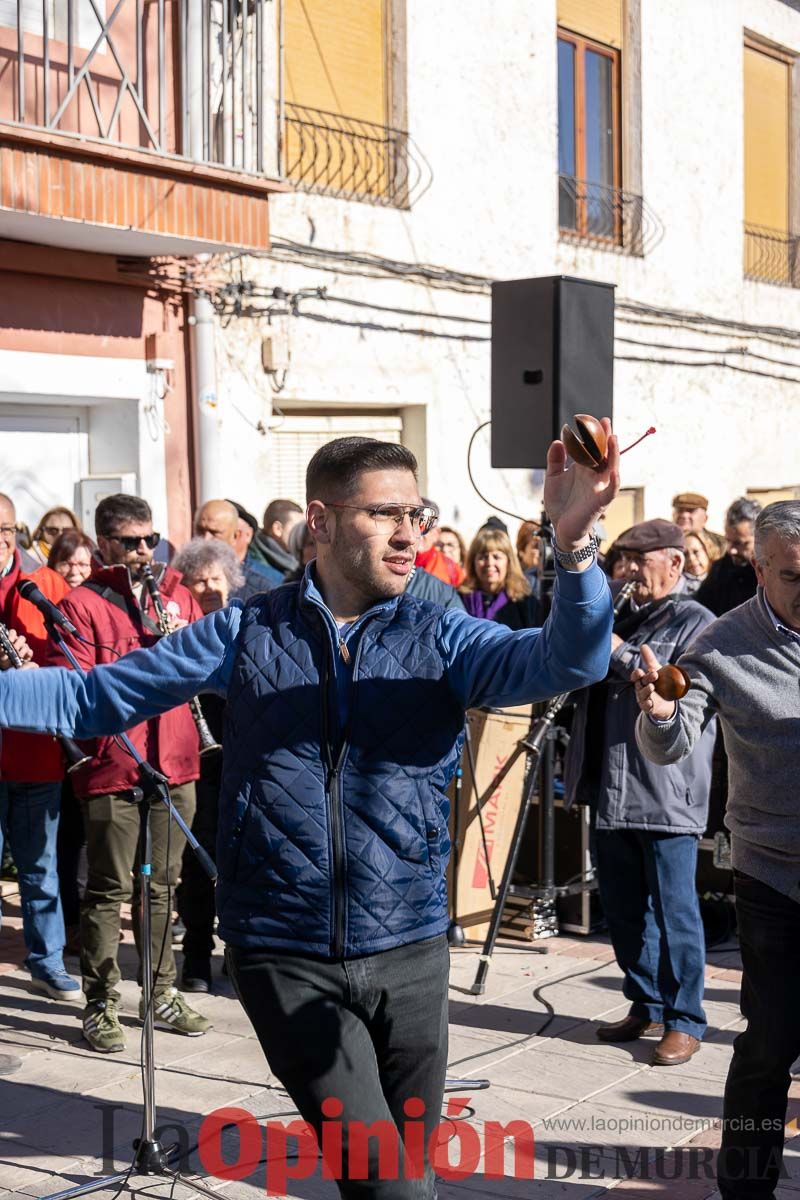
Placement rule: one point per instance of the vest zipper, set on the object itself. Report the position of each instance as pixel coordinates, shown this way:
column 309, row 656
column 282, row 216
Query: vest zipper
column 335, row 793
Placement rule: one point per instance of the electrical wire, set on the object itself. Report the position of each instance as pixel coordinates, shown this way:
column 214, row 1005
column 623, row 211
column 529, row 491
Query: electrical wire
column 372, row 325
column 742, row 350
column 675, row 362
column 505, row 511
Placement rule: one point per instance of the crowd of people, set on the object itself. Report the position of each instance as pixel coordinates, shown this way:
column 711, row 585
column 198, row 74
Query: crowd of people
column 646, row 781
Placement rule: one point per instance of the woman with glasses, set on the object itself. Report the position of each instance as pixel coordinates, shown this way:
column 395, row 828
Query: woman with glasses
column 54, row 522
column 71, row 556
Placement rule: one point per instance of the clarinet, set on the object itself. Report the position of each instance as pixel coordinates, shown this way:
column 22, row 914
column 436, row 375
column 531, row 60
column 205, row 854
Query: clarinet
column 72, row 751
column 549, row 715
column 208, row 743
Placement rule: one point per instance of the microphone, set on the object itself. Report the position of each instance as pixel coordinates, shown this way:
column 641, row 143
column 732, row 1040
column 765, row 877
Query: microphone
column 52, row 615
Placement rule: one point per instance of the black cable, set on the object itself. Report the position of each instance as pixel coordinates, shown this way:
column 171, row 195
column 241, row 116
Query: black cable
column 540, row 1030
column 674, row 362
column 372, row 325
column 740, row 350
column 506, row 512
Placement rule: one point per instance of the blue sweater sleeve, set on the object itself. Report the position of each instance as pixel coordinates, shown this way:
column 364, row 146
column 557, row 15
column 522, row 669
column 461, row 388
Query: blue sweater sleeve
column 143, row 684
column 489, row 665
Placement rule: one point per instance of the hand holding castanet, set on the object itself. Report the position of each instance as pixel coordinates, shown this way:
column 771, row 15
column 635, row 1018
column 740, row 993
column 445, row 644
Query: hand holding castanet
column 576, row 495
column 657, row 688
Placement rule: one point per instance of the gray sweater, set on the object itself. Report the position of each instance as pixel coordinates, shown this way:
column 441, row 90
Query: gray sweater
column 747, row 672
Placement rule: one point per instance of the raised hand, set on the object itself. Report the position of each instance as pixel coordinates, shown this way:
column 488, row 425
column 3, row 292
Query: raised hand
column 576, row 497
column 644, row 682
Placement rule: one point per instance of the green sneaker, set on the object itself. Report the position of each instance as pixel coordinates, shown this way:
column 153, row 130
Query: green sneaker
column 172, row 1012
column 101, row 1027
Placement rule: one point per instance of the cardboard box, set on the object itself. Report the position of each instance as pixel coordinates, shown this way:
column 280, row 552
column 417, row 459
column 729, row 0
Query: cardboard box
column 494, row 738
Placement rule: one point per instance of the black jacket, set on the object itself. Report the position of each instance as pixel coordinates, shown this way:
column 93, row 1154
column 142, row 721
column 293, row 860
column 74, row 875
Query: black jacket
column 726, row 586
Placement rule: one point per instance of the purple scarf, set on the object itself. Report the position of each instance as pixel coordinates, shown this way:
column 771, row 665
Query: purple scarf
column 481, row 604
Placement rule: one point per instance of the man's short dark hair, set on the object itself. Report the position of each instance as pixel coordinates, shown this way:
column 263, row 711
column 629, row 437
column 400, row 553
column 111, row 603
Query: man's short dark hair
column 335, row 468
column 743, row 509
column 119, row 509
column 278, row 510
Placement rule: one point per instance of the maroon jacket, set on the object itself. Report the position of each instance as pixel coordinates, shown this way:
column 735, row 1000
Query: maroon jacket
column 169, row 743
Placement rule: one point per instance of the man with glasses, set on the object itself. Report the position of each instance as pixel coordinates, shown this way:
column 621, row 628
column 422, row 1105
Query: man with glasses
column 113, row 614
column 647, row 820
column 346, row 701
column 31, row 770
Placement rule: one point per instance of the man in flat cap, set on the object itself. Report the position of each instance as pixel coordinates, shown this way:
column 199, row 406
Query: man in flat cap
column 647, row 820
column 690, row 512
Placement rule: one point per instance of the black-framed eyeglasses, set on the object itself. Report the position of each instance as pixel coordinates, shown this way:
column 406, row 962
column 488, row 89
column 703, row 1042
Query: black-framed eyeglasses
column 131, row 542
column 8, row 530
column 423, row 518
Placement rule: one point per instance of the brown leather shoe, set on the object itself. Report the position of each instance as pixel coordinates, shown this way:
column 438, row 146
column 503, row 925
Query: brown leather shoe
column 629, row 1029
column 675, row 1048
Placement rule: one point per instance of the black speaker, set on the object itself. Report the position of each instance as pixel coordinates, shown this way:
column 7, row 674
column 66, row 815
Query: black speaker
column 552, row 357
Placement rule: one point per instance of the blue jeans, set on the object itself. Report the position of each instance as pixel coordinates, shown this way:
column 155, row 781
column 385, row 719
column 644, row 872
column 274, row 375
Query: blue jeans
column 29, row 819
column 647, row 888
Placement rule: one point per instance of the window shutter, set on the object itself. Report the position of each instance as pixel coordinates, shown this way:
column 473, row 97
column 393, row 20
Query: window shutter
column 334, row 57
column 766, row 140
column 299, row 437
column 600, row 20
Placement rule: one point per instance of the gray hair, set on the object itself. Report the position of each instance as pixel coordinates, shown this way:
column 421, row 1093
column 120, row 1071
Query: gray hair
column 781, row 518
column 742, row 509
column 296, row 539
column 201, row 553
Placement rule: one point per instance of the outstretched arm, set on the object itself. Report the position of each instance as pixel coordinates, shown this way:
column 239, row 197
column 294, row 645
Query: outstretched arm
column 109, row 699
column 491, row 665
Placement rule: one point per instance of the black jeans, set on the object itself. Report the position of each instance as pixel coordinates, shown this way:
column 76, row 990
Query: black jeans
column 194, row 895
column 370, row 1032
column 757, row 1088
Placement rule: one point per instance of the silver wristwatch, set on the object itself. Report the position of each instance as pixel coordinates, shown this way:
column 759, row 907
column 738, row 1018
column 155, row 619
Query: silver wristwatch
column 574, row 557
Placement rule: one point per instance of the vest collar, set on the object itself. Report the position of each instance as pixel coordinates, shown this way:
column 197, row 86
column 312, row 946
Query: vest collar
column 311, row 601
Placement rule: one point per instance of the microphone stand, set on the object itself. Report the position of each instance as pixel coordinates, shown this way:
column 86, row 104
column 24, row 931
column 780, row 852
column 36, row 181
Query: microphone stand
column 150, row 1157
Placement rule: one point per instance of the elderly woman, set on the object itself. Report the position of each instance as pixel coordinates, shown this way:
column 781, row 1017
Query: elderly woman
column 211, row 571
column 494, row 576
column 51, row 526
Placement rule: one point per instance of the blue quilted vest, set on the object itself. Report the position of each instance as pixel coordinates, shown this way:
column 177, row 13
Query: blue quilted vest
column 334, row 842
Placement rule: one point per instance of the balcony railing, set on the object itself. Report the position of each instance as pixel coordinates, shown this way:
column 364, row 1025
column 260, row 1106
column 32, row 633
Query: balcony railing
column 352, row 159
column 606, row 218
column 772, row 256
column 181, row 78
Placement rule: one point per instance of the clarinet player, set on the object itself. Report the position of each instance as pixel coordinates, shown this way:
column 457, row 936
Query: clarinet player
column 113, row 612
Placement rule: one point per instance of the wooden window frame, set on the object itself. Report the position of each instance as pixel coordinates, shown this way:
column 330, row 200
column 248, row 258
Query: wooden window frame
column 582, row 44
column 763, row 45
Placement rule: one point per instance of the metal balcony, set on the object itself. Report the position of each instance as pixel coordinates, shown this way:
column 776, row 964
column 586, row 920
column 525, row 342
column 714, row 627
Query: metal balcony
column 352, row 159
column 771, row 256
column 606, row 218
column 185, row 78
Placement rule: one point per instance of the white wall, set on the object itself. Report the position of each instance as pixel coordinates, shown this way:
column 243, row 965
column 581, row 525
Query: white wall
column 482, row 107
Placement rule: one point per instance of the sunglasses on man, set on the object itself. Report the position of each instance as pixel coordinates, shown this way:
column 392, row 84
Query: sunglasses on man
column 131, row 542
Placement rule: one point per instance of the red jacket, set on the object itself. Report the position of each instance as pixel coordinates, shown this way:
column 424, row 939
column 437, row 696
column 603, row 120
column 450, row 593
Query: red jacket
column 169, row 743
column 442, row 567
column 30, row 757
